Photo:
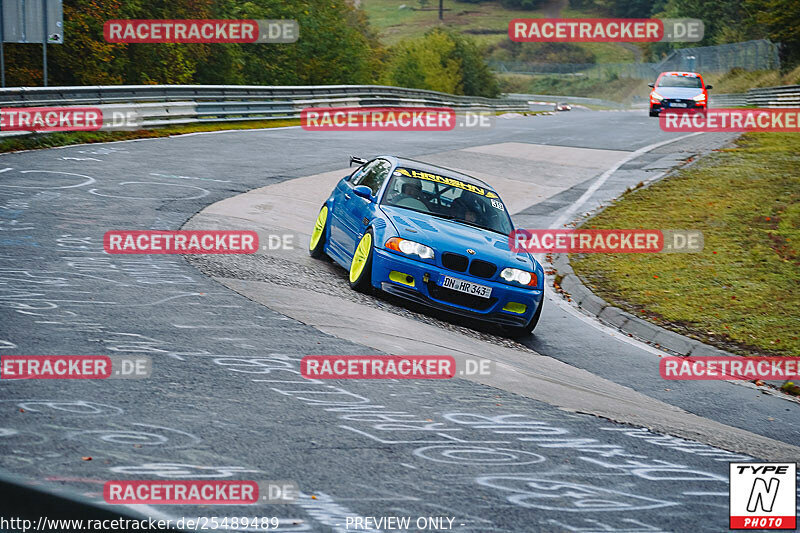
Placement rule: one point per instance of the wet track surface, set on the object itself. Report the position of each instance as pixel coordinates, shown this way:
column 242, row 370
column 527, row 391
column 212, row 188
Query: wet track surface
column 226, row 399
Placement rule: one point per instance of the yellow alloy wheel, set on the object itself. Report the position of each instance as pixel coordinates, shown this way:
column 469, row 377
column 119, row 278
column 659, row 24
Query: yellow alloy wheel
column 319, row 227
column 360, row 257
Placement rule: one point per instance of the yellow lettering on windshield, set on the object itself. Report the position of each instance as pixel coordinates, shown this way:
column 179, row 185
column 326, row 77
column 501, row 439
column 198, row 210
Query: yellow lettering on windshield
column 446, row 181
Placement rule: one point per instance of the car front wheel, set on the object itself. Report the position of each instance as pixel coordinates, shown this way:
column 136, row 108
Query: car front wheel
column 316, row 247
column 361, row 265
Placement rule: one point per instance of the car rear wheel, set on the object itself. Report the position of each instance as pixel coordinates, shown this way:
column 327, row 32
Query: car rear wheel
column 524, row 331
column 316, row 247
column 361, row 265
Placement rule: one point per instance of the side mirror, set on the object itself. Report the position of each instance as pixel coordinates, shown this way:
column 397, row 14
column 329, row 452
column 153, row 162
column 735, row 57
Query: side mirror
column 363, row 191
column 359, row 160
column 709, row 87
column 651, row 85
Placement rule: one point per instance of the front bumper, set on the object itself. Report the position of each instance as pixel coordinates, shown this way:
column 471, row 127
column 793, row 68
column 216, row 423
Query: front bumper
column 432, row 294
column 674, row 104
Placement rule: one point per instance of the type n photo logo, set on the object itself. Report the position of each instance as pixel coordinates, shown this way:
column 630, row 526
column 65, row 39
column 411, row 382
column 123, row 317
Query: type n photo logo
column 763, row 495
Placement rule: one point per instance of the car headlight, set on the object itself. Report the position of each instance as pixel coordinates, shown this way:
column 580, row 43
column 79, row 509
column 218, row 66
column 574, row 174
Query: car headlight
column 655, row 96
column 523, row 277
column 699, row 98
column 410, row 247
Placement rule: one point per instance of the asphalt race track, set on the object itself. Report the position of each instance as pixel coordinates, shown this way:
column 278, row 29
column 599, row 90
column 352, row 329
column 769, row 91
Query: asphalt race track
column 574, row 431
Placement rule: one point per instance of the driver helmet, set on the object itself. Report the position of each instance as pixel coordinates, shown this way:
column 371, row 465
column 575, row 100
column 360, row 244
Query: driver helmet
column 411, row 187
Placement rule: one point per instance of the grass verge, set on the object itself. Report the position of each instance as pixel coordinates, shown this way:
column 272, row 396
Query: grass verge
column 613, row 89
column 35, row 141
column 742, row 293
column 739, row 80
column 486, row 21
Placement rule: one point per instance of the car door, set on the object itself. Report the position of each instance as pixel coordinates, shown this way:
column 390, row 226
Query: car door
column 357, row 210
column 341, row 237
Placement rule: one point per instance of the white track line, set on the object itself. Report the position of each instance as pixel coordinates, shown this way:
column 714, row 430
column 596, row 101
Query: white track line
column 567, row 215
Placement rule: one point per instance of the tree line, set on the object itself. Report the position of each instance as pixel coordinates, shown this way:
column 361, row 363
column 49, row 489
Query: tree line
column 336, row 46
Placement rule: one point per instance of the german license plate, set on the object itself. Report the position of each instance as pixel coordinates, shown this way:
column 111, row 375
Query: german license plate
column 467, row 287
column 677, row 104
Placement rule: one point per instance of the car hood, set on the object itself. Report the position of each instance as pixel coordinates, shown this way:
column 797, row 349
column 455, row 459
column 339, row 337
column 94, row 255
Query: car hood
column 683, row 93
column 449, row 236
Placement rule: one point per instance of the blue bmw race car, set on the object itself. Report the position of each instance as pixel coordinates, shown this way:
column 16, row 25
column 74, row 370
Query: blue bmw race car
column 433, row 236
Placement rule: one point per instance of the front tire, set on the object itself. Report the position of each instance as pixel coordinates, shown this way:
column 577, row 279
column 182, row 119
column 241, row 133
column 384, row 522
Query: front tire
column 361, row 266
column 653, row 113
column 316, row 247
column 524, row 331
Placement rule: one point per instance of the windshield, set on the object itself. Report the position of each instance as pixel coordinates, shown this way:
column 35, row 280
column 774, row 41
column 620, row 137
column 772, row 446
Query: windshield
column 691, row 82
column 448, row 198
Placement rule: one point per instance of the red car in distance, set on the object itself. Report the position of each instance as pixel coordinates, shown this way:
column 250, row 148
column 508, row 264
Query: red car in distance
column 678, row 91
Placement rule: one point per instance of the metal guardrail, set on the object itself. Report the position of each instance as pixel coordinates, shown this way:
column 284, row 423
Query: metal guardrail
column 783, row 96
column 162, row 105
column 569, row 99
column 786, row 96
column 728, row 100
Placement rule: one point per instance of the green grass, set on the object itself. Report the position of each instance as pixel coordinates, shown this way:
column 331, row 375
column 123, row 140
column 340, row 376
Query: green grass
column 394, row 25
column 739, row 81
column 609, row 52
column 615, row 90
column 36, row 141
column 742, row 292
column 623, row 89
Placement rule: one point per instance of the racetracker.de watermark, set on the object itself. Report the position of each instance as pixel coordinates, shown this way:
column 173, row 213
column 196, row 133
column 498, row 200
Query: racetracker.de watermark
column 180, row 242
column 201, row 31
column 75, row 367
column 556, row 30
column 199, row 492
column 616, row 241
column 393, row 118
column 378, row 367
column 747, row 368
column 785, row 120
column 49, row 119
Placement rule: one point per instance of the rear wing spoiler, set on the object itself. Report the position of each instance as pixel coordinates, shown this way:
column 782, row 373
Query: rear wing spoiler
column 359, row 160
